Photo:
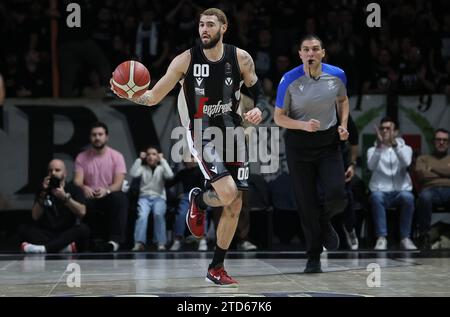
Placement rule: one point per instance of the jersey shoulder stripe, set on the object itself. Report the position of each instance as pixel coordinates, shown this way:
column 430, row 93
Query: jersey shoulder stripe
column 285, row 81
column 335, row 71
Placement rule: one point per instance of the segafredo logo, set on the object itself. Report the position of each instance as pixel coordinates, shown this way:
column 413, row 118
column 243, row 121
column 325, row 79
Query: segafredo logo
column 219, row 108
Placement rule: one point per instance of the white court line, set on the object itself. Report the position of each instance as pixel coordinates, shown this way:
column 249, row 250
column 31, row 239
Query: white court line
column 7, row 265
column 56, row 284
column 283, row 275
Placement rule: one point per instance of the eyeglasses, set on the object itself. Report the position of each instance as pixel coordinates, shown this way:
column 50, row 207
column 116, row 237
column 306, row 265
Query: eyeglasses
column 441, row 140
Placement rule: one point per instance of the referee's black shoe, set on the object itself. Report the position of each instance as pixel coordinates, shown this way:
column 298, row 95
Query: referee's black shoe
column 330, row 237
column 313, row 266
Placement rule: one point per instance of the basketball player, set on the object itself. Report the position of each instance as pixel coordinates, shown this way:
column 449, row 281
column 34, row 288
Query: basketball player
column 211, row 75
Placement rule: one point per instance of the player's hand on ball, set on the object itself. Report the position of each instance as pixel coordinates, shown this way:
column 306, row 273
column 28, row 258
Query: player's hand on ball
column 253, row 116
column 130, row 80
column 113, row 90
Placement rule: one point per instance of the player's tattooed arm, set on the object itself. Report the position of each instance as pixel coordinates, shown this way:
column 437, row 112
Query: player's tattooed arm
column 176, row 71
column 247, row 68
column 211, row 198
column 146, row 99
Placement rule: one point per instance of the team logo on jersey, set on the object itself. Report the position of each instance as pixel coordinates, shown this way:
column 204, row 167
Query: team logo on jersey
column 199, row 81
column 212, row 110
column 199, row 91
column 228, row 81
column 331, row 84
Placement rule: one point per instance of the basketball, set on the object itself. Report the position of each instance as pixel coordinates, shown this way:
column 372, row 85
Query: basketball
column 131, row 79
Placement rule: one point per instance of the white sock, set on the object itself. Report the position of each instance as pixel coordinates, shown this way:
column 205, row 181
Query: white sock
column 115, row 245
column 34, row 248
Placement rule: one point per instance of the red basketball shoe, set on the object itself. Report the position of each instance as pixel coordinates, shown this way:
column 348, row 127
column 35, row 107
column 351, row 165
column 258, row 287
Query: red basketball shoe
column 195, row 217
column 220, row 277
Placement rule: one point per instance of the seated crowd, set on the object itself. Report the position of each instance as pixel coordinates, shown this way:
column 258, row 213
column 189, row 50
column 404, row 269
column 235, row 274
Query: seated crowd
column 91, row 213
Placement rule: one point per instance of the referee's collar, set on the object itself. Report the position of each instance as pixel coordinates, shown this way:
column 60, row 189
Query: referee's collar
column 307, row 73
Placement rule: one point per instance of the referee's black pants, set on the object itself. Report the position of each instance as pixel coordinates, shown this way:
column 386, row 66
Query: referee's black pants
column 316, row 160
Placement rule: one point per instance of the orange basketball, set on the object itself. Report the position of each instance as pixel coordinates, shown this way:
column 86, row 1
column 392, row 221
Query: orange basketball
column 131, row 79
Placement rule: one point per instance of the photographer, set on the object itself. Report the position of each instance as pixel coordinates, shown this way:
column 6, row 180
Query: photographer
column 56, row 213
column 154, row 171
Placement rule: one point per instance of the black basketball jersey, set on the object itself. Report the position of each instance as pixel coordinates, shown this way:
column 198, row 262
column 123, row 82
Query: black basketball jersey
column 211, row 90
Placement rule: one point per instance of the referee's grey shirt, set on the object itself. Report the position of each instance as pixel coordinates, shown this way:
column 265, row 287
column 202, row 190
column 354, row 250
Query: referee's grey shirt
column 305, row 98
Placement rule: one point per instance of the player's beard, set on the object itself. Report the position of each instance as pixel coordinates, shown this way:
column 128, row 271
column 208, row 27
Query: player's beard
column 212, row 42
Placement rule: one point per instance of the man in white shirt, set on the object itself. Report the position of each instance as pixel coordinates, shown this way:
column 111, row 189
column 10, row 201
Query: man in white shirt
column 390, row 183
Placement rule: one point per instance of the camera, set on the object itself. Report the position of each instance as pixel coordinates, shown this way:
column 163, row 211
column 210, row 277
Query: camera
column 54, row 182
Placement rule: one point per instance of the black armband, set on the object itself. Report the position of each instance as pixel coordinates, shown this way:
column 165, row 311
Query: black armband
column 257, row 92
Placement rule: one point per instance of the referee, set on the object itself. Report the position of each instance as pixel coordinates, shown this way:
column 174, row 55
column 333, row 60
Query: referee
column 311, row 99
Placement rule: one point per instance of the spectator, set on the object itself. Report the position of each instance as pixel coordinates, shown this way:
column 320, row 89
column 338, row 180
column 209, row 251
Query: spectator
column 444, row 37
column 2, row 99
column 34, row 80
column 282, row 65
column 103, row 32
column 434, row 175
column 263, row 54
column 152, row 46
column 23, row 26
column 56, row 213
column 100, row 171
column 78, row 50
column 11, row 75
column 2, row 91
column 95, row 89
column 414, row 74
column 183, row 18
column 153, row 170
column 390, row 183
column 383, row 78
column 120, row 50
column 444, row 81
column 350, row 154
